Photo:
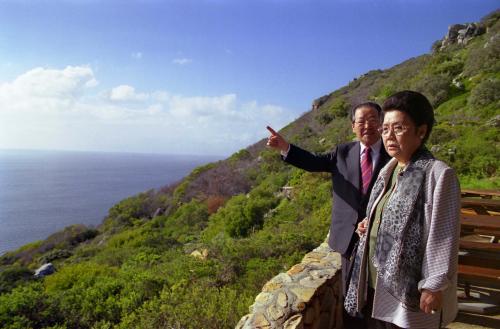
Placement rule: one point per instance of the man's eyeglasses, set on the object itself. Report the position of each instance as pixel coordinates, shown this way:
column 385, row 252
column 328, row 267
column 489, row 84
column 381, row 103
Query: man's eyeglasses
column 370, row 122
column 397, row 129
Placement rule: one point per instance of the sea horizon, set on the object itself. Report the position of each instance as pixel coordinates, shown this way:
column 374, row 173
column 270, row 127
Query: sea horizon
column 217, row 156
column 44, row 191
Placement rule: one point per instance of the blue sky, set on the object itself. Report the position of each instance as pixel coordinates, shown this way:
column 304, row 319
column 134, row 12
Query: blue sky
column 185, row 76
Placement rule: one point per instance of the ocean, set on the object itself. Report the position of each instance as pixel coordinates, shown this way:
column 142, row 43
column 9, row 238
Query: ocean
column 42, row 192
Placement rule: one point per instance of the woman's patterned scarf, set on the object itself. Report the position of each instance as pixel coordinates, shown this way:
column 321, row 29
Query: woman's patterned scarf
column 399, row 246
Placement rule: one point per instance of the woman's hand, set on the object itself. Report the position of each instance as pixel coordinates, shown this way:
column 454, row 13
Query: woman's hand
column 430, row 302
column 361, row 230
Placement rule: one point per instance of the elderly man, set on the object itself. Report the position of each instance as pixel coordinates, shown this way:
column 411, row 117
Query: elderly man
column 354, row 167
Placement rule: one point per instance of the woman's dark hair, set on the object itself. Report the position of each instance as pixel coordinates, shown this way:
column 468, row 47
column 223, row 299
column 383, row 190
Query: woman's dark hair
column 415, row 105
column 372, row 105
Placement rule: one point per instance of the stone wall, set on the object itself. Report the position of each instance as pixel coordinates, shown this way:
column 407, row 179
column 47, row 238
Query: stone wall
column 305, row 297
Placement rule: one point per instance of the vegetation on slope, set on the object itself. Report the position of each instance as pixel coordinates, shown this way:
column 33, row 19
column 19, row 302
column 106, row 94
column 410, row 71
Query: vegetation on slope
column 140, row 271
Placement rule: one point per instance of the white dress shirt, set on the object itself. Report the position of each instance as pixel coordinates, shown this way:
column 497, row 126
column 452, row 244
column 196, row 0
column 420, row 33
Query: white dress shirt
column 375, row 152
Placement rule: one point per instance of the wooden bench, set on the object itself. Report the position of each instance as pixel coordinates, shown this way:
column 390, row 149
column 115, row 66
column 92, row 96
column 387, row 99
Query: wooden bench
column 479, row 262
column 481, row 206
column 485, row 194
column 472, row 274
column 487, row 247
column 485, row 274
column 480, row 224
column 479, row 266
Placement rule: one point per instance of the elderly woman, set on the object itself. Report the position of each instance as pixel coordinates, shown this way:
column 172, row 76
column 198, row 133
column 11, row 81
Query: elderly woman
column 405, row 270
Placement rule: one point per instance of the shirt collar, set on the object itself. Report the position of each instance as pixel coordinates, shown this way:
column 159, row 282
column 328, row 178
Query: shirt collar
column 375, row 147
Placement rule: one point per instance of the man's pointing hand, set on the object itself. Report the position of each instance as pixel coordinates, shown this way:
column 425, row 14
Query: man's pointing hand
column 276, row 141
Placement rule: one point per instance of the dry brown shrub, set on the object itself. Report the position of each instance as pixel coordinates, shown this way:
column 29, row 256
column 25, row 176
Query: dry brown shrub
column 214, row 202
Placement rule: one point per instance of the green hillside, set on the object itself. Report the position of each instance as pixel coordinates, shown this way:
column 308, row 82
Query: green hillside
column 228, row 227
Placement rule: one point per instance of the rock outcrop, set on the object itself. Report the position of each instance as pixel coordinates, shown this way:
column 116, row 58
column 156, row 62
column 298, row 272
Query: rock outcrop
column 44, row 270
column 200, row 254
column 461, row 34
column 319, row 101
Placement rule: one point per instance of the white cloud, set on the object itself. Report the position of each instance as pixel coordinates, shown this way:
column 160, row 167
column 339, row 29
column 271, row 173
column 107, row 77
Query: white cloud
column 182, row 61
column 41, row 82
column 160, row 96
column 201, row 106
column 126, row 93
column 136, row 55
column 61, row 109
column 46, row 90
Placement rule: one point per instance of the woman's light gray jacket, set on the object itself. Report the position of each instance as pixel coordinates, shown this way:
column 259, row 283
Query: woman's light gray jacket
column 417, row 245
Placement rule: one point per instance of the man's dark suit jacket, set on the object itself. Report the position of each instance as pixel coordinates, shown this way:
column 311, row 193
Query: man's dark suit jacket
column 349, row 205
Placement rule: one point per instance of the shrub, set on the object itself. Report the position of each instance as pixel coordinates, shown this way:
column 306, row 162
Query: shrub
column 187, row 221
column 243, row 154
column 85, row 293
column 192, row 306
column 237, row 224
column 450, row 64
column 214, row 202
column 384, row 93
column 11, row 276
column 28, row 307
column 126, row 211
column 485, row 93
column 484, row 59
column 436, row 46
column 435, row 87
column 68, row 238
column 55, row 254
column 339, row 108
column 325, row 117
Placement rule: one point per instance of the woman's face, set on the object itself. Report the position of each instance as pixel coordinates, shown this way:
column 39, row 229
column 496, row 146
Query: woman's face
column 400, row 135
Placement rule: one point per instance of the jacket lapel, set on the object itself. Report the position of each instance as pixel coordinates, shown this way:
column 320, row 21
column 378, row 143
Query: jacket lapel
column 353, row 171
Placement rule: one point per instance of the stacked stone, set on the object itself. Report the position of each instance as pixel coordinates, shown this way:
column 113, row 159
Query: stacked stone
column 305, row 297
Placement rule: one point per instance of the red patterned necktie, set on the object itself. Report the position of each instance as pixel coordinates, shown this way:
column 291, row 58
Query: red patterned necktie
column 366, row 169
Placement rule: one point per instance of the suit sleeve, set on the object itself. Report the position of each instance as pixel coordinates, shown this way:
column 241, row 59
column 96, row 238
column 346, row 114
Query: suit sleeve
column 440, row 260
column 310, row 161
